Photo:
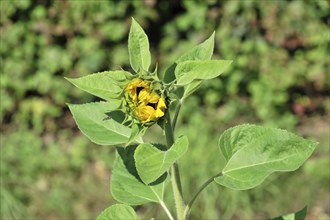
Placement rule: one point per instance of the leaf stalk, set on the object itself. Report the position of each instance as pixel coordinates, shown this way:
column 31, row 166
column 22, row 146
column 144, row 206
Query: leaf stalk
column 191, row 202
column 166, row 210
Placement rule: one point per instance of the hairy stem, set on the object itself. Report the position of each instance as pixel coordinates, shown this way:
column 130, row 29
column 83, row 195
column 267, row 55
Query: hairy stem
column 188, row 207
column 175, row 175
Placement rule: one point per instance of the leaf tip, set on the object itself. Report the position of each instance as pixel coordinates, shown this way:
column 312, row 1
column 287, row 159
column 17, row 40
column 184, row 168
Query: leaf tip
column 70, row 105
column 69, row 79
column 213, row 34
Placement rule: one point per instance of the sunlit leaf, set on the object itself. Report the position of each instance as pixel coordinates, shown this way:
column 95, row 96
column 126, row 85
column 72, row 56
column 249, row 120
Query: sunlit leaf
column 126, row 186
column 91, row 119
column 202, row 51
column 151, row 162
column 138, row 48
column 118, row 212
column 107, row 85
column 188, row 71
column 254, row 152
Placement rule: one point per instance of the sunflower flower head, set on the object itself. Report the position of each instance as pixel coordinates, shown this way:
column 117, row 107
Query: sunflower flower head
column 144, row 102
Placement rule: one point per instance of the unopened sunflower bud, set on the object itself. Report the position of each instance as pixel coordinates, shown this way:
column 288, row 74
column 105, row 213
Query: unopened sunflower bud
column 144, row 102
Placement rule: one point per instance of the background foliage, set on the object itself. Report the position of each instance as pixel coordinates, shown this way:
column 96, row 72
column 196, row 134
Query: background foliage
column 280, row 77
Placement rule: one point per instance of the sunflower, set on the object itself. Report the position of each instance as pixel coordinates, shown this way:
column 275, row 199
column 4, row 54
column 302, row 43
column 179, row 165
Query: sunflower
column 145, row 103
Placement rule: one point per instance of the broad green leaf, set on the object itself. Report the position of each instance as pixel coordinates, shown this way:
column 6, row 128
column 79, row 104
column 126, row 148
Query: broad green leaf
column 118, row 212
column 253, row 152
column 138, row 48
column 300, row 215
column 202, row 51
column 106, row 85
column 151, row 162
column 126, row 187
column 91, row 119
column 188, row 71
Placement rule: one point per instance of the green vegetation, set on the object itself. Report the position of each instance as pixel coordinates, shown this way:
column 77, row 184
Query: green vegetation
column 138, row 100
column 279, row 77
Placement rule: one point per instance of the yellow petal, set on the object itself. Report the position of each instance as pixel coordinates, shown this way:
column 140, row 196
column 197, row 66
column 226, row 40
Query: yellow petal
column 131, row 88
column 159, row 113
column 161, row 104
column 145, row 113
column 140, row 83
column 144, row 95
column 153, row 98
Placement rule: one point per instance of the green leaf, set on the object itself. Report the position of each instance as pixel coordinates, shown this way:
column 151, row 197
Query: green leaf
column 106, row 85
column 188, row 71
column 202, row 51
column 91, row 119
column 126, row 186
column 300, row 215
column 118, row 212
column 151, row 162
column 184, row 92
column 254, row 152
column 191, row 87
column 138, row 48
column 136, row 131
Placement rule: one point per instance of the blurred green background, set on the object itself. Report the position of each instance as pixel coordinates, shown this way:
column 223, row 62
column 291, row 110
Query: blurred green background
column 280, row 77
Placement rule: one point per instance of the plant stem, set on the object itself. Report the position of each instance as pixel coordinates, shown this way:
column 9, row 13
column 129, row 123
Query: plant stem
column 177, row 111
column 188, row 207
column 166, row 210
column 175, row 175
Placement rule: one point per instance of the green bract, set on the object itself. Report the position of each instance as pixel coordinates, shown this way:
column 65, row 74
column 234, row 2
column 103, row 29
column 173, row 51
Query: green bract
column 135, row 101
